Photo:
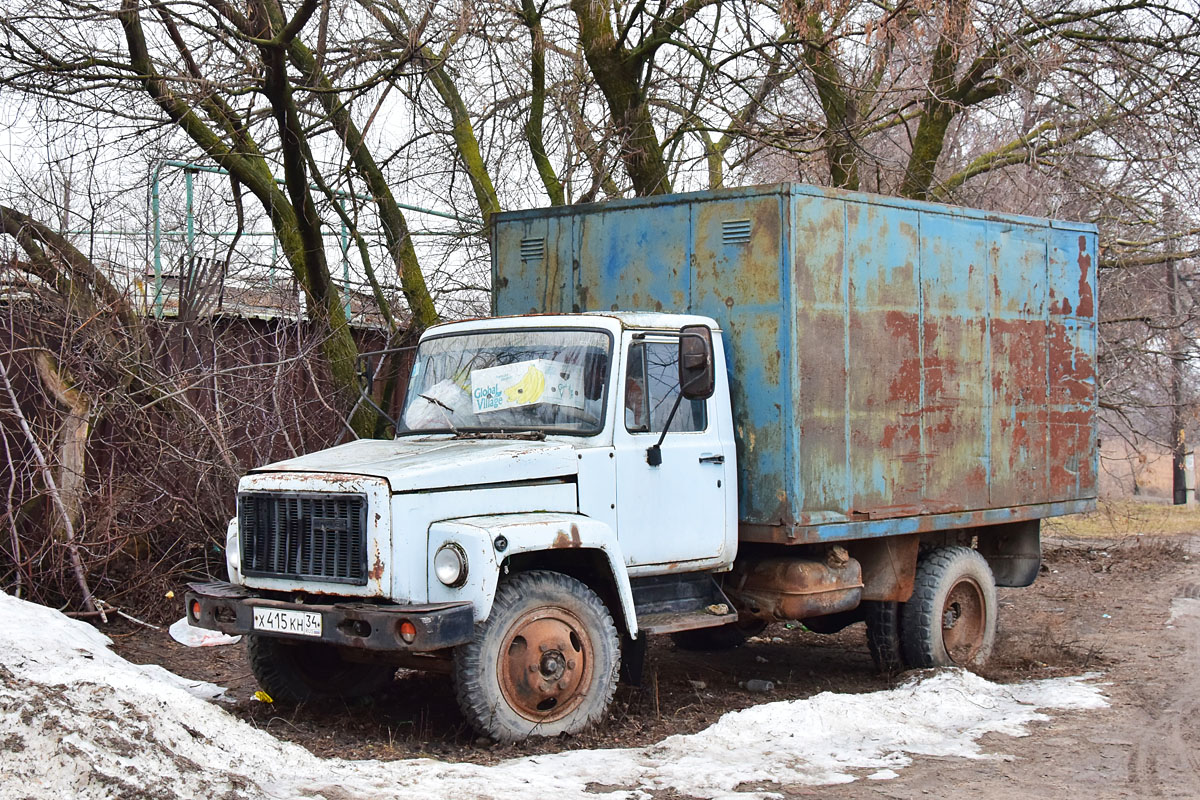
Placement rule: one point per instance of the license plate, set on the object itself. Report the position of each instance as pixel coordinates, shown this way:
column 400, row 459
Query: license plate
column 302, row 623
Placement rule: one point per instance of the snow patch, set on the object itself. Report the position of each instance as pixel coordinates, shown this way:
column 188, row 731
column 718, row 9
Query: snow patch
column 76, row 720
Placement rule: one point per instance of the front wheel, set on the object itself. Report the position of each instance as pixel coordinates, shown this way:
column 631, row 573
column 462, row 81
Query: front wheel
column 297, row 672
column 545, row 661
column 951, row 618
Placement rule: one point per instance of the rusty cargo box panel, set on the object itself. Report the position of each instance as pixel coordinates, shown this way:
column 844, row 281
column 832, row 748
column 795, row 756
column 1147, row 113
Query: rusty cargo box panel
column 896, row 366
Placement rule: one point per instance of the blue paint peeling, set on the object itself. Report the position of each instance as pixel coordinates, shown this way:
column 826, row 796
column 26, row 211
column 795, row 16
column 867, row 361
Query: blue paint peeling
column 884, row 353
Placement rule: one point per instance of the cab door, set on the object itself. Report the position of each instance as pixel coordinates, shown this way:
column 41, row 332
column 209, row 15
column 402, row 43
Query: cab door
column 673, row 512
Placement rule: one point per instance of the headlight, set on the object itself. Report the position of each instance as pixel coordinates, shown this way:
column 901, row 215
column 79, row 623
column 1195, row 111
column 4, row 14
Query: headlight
column 450, row 565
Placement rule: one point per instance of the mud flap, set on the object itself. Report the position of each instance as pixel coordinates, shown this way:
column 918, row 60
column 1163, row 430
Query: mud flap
column 633, row 659
column 1013, row 551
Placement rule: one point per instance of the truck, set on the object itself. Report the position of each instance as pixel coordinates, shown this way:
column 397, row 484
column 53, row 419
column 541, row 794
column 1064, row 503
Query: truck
column 694, row 414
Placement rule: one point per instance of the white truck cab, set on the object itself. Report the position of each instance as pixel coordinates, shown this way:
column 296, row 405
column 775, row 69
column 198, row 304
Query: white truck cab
column 554, row 454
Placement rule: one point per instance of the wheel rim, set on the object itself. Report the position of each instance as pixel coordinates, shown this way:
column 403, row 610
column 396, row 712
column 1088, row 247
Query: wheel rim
column 964, row 621
column 545, row 664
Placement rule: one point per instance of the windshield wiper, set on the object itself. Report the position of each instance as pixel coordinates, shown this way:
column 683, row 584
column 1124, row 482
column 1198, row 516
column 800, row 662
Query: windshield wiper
column 534, row 436
column 443, row 408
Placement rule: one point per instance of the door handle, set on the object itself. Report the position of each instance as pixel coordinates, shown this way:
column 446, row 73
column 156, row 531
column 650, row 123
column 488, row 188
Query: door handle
column 711, row 459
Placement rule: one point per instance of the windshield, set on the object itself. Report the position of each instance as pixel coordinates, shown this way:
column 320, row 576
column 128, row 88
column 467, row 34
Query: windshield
column 545, row 380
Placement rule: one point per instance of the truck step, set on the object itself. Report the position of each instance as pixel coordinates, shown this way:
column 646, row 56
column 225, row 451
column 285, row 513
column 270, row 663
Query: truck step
column 684, row 621
column 672, row 603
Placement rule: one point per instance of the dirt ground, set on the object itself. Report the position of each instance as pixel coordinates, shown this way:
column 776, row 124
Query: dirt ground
column 1099, row 605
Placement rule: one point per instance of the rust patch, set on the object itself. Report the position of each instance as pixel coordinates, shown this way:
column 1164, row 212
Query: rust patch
column 376, row 572
column 903, row 331
column 905, row 387
column 783, row 515
column 1054, row 306
column 976, row 478
column 900, row 325
column 889, row 566
column 1085, row 308
column 792, row 588
column 937, row 368
column 889, row 436
column 1071, row 371
column 1019, row 359
column 563, row 541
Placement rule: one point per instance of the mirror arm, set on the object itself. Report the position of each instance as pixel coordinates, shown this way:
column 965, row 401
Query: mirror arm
column 654, row 451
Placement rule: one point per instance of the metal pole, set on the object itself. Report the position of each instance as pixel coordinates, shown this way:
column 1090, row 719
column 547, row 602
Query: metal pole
column 345, row 262
column 191, row 223
column 187, row 165
column 189, row 176
column 158, row 299
column 1176, row 353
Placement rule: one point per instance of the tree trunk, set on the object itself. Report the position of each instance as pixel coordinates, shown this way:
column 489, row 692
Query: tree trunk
column 618, row 73
column 72, row 442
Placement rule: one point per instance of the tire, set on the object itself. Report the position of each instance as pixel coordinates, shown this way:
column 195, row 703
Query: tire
column 544, row 662
column 299, row 672
column 883, row 635
column 719, row 637
column 951, row 618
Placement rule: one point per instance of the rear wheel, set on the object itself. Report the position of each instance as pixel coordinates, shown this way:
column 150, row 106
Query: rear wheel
column 883, row 634
column 545, row 661
column 951, row 618
column 297, row 672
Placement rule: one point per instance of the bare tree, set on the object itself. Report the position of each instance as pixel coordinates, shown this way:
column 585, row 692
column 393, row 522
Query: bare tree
column 223, row 77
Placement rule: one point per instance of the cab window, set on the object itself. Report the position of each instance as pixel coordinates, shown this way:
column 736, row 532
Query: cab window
column 651, row 387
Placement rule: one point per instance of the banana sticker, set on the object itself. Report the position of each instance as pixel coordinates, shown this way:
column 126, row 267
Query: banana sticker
column 525, row 383
column 529, row 390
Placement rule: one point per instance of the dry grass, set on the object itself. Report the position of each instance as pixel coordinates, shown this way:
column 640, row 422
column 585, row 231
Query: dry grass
column 1047, row 645
column 1122, row 518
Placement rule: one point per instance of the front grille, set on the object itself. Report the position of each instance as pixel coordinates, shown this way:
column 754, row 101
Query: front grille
column 304, row 535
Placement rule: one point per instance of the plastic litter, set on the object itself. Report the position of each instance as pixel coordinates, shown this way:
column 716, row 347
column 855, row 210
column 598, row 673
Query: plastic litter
column 183, row 632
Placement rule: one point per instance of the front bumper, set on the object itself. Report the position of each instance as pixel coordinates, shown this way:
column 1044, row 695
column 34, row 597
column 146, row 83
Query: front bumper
column 229, row 608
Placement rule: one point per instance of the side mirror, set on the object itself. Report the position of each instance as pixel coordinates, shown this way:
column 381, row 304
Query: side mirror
column 697, row 375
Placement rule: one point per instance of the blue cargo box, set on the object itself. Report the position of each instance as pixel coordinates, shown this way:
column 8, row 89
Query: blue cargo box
column 896, row 366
